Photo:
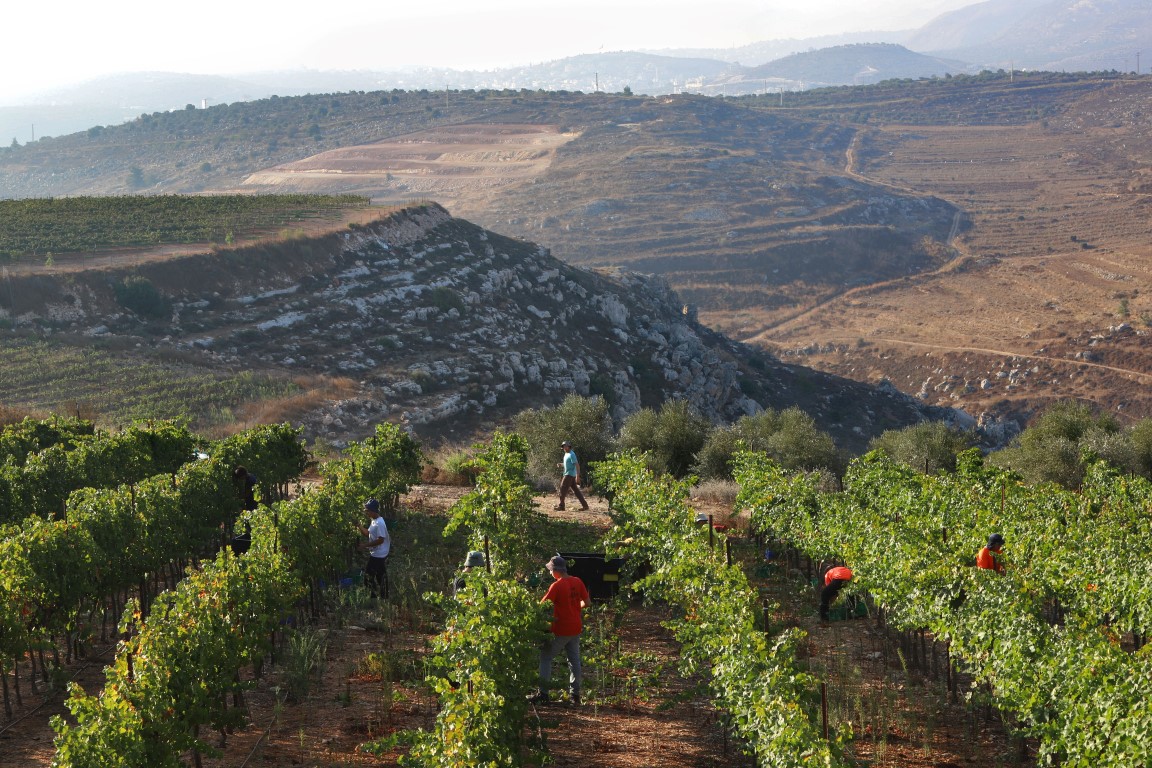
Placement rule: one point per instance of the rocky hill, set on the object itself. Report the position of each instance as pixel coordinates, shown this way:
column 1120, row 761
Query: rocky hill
column 973, row 206
column 444, row 326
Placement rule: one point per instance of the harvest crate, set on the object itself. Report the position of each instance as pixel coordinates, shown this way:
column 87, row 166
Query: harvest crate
column 600, row 574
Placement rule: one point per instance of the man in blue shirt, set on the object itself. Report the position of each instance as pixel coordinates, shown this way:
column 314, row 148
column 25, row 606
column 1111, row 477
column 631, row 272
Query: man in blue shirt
column 572, row 475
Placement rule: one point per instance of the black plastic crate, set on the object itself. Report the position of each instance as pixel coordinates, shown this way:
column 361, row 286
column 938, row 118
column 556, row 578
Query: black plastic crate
column 599, row 573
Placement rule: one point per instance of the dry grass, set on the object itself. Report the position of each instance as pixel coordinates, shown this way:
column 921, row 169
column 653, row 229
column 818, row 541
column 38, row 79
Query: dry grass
column 716, row 491
column 317, row 391
column 451, row 465
column 11, row 415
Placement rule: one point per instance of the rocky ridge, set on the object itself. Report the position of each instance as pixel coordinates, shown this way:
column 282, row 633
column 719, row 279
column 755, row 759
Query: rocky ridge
column 448, row 329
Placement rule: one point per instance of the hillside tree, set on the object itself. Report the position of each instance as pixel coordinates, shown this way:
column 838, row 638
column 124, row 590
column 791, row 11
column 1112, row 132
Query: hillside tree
column 1052, row 448
column 928, row 447
column 671, row 436
column 583, row 421
column 790, row 437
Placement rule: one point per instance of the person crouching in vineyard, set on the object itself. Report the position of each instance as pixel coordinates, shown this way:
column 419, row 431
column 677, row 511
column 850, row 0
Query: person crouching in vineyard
column 834, row 581
column 378, row 544
column 569, row 597
column 989, row 557
column 474, row 560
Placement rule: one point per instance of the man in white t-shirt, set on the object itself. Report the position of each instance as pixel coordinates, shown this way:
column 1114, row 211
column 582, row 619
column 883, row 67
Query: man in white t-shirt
column 378, row 544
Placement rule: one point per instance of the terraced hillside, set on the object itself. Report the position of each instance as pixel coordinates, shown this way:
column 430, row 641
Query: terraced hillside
column 996, row 216
column 1047, row 296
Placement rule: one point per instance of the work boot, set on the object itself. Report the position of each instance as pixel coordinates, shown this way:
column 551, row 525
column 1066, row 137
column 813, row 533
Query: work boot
column 540, row 697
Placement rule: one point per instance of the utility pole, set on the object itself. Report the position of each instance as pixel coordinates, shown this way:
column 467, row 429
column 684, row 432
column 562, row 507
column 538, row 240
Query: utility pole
column 596, row 79
column 1137, row 63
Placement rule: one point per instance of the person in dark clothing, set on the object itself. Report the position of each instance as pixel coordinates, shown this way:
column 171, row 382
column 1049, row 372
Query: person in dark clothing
column 247, row 485
column 247, row 482
column 834, row 581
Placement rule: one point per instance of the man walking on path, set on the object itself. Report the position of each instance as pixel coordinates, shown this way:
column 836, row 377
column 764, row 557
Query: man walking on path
column 568, row 596
column 378, row 544
column 572, row 475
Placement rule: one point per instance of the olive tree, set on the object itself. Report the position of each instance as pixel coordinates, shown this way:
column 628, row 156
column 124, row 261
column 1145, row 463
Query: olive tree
column 582, row 421
column 928, row 447
column 790, row 437
column 1051, row 448
column 671, row 436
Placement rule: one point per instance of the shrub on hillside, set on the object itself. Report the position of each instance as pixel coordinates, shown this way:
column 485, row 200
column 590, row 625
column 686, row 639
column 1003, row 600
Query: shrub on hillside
column 672, row 437
column 452, row 465
column 1052, row 448
column 139, row 295
column 1141, row 437
column 790, row 437
column 929, row 447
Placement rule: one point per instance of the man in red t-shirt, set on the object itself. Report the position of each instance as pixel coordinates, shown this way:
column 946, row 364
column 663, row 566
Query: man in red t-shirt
column 568, row 596
column 989, row 557
column 834, row 581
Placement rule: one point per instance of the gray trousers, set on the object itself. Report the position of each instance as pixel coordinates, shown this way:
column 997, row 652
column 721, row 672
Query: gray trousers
column 570, row 644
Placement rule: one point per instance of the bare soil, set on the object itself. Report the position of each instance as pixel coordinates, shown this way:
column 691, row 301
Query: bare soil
column 901, row 718
column 1052, row 255
column 448, row 163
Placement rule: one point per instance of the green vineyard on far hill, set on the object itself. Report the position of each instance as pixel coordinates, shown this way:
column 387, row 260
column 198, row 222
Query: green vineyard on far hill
column 39, row 227
column 44, row 376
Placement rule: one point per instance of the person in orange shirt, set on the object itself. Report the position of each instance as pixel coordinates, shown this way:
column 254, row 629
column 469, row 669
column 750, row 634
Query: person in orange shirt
column 989, row 557
column 569, row 597
column 834, row 581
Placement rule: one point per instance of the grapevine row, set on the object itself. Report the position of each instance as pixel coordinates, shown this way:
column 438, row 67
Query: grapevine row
column 1057, row 636
column 182, row 660
column 486, row 656
column 75, row 224
column 753, row 676
column 39, row 482
column 56, row 574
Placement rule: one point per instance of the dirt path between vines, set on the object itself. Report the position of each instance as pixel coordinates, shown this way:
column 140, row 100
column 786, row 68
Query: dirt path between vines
column 900, row 718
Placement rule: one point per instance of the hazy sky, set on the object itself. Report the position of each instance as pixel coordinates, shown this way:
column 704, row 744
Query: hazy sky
column 68, row 41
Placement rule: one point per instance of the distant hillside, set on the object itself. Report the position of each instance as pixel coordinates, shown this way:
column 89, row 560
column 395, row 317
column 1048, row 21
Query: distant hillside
column 858, row 64
column 759, row 53
column 972, row 25
column 1060, row 35
column 966, row 238
column 1054, row 35
column 430, row 321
